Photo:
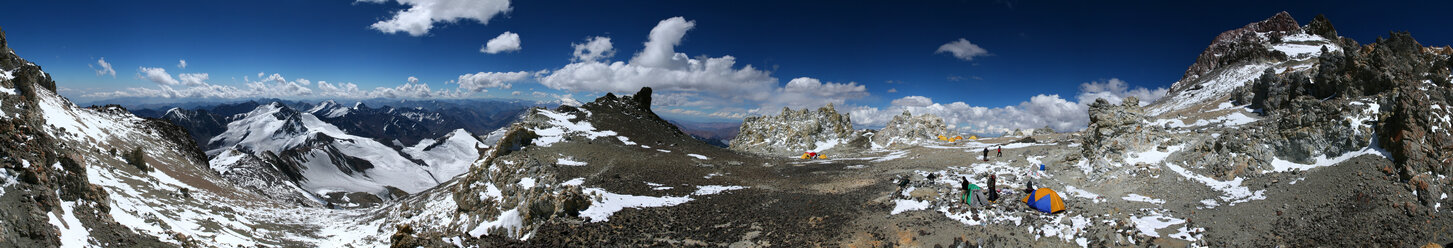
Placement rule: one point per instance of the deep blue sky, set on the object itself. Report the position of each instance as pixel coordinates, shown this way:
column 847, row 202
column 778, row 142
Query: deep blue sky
column 1035, row 47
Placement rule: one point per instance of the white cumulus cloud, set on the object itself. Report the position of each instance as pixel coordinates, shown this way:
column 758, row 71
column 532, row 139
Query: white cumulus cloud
column 1115, row 90
column 660, row 67
column 192, row 79
column 505, row 42
column 480, row 81
column 962, row 49
column 158, row 75
column 105, row 68
column 182, row 64
column 1039, row 111
column 421, row 15
column 806, row 92
column 594, row 49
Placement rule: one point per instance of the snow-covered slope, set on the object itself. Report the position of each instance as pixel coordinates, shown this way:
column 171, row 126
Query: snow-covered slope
column 449, row 156
column 326, row 158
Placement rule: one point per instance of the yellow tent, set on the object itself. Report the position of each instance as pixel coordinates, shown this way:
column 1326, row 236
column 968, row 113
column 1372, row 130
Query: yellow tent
column 974, row 137
column 940, row 137
column 804, row 155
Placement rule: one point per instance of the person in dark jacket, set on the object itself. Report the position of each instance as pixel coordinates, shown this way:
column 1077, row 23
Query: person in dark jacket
column 986, row 154
column 964, row 183
column 993, row 189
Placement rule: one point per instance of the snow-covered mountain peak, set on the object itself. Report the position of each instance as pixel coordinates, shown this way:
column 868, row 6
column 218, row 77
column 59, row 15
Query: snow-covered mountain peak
column 330, row 109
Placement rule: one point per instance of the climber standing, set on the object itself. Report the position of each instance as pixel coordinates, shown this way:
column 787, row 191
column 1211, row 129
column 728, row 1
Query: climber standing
column 986, row 154
column 999, row 150
column 993, row 189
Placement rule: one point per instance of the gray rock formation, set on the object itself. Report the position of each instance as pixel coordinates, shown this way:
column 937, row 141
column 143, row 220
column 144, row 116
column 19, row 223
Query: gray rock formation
column 794, row 132
column 908, row 130
column 1114, row 129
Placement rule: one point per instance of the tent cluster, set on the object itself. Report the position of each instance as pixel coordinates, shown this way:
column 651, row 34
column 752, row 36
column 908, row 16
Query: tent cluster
column 955, row 138
column 813, row 155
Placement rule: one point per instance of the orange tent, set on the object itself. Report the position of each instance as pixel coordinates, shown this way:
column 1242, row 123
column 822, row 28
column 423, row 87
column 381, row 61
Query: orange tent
column 1045, row 200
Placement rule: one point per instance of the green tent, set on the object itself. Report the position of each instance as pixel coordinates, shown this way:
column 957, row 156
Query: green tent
column 968, row 195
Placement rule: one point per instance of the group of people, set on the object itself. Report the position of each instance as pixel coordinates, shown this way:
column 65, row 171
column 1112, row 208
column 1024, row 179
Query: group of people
column 997, row 150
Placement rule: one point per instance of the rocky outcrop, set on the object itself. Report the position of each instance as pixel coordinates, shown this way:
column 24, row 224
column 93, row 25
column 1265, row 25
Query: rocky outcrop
column 794, row 132
column 1114, row 129
column 1321, row 26
column 1241, row 45
column 908, row 130
column 1043, row 130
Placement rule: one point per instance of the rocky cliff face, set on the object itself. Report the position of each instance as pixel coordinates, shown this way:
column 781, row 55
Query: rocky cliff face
column 908, row 130
column 795, row 132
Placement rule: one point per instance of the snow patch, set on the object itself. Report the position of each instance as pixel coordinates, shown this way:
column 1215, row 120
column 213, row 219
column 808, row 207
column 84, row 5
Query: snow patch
column 1279, row 165
column 1232, row 190
column 714, row 189
column 1077, row 192
column 1155, row 221
column 1141, row 198
column 72, row 232
column 698, row 156
column 568, row 162
column 609, row 203
column 903, row 205
column 510, row 220
column 562, row 126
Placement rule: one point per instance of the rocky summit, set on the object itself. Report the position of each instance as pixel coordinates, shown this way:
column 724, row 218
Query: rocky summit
column 1279, row 135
